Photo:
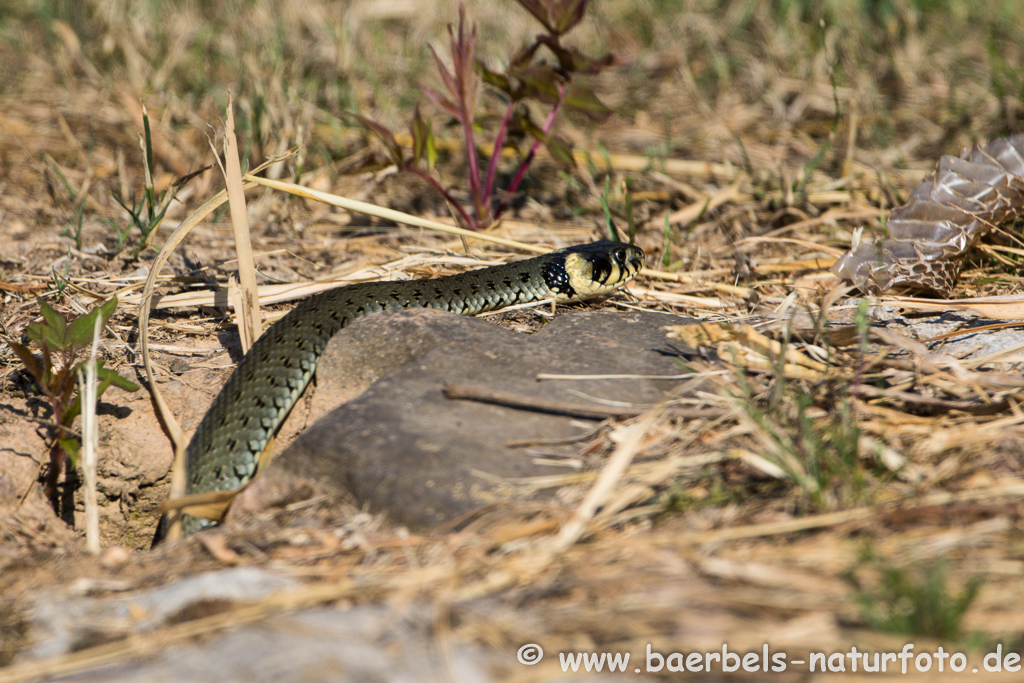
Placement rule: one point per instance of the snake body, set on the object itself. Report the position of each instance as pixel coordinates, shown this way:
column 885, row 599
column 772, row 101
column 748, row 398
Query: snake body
column 256, row 399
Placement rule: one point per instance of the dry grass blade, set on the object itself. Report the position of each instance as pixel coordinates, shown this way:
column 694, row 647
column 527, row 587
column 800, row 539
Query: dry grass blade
column 1001, row 307
column 628, row 439
column 212, row 505
column 390, row 214
column 1013, row 488
column 246, row 307
column 674, row 298
column 747, row 348
column 707, row 170
column 695, row 210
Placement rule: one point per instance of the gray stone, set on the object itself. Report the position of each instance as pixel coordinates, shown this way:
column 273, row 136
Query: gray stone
column 404, row 449
column 353, row 645
column 62, row 622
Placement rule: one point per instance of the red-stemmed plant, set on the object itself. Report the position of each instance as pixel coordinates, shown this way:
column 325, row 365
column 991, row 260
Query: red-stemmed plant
column 527, row 78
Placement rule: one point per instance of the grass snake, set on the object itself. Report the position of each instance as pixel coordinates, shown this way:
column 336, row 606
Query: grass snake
column 256, row 399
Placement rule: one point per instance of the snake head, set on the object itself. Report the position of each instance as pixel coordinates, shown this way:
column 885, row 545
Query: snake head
column 600, row 267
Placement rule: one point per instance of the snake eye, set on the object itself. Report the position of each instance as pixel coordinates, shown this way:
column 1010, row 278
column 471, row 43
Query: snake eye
column 620, row 255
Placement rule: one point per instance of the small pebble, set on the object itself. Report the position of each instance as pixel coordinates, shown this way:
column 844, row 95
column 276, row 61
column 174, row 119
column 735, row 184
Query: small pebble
column 114, row 557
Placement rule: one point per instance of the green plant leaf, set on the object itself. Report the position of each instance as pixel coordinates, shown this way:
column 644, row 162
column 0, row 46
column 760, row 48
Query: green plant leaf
column 56, row 324
column 524, row 56
column 539, row 81
column 573, row 61
column 525, row 124
column 109, row 377
column 83, row 329
column 431, row 151
column 629, row 213
column 73, row 410
column 150, row 228
column 44, row 336
column 29, row 360
column 446, row 76
column 495, row 79
column 106, row 377
column 567, row 13
column 462, row 82
column 70, row 446
column 466, row 86
column 613, row 232
column 133, row 210
column 557, row 16
column 584, row 101
column 560, row 151
column 420, row 131
column 148, row 147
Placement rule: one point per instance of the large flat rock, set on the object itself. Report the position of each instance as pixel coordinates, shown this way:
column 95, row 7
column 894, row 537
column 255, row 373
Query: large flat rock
column 404, row 449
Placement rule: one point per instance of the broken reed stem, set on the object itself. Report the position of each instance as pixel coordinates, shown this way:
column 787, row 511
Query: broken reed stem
column 247, row 310
column 90, row 442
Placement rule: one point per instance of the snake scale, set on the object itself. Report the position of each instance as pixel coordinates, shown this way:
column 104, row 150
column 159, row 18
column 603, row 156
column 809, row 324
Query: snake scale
column 227, row 445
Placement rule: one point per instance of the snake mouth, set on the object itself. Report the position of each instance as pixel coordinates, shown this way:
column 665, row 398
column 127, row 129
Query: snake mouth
column 601, row 267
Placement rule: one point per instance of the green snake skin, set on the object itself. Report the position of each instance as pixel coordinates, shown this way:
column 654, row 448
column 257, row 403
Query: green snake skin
column 258, row 396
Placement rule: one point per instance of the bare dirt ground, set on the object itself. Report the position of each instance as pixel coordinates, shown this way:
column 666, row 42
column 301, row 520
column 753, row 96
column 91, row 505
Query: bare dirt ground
column 813, row 515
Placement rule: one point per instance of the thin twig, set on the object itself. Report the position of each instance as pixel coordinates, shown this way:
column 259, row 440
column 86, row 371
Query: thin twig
column 462, row 391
